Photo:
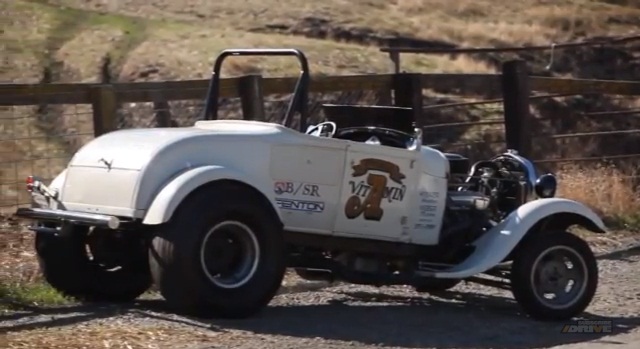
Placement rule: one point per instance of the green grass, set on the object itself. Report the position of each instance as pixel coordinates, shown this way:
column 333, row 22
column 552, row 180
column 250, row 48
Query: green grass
column 27, row 295
column 69, row 22
column 627, row 222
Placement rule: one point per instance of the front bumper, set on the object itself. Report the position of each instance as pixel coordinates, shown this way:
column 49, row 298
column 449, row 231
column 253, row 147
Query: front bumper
column 62, row 216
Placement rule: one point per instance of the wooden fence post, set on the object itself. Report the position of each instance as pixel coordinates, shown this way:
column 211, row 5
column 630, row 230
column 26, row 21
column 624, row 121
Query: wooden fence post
column 162, row 109
column 516, row 93
column 407, row 92
column 252, row 97
column 105, row 107
column 394, row 56
column 162, row 113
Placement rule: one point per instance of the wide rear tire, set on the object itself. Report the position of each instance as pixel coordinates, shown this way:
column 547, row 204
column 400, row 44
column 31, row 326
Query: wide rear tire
column 71, row 270
column 221, row 255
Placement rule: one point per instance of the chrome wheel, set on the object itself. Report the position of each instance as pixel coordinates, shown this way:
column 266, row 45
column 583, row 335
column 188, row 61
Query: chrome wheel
column 229, row 254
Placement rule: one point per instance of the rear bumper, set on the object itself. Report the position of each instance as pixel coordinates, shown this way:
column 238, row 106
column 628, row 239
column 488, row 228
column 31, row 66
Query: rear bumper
column 62, row 216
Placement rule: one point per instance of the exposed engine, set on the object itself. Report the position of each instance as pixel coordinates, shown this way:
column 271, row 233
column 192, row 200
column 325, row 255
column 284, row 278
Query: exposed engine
column 485, row 193
column 506, row 180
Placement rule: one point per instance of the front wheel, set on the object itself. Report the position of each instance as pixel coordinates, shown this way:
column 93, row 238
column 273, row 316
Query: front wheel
column 555, row 276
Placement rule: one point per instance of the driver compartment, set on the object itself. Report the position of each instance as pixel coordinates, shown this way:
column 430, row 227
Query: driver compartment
column 384, row 125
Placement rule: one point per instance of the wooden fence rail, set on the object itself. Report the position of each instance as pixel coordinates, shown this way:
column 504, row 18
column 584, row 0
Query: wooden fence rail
column 465, row 84
column 514, row 87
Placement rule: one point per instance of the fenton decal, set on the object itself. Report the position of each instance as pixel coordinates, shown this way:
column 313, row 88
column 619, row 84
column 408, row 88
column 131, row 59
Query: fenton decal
column 295, row 189
column 300, row 205
column 369, row 193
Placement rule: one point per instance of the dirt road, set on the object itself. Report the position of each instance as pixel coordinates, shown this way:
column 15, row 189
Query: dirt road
column 345, row 316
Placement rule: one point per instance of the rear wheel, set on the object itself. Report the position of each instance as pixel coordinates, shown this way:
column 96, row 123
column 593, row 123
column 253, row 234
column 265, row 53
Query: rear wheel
column 94, row 265
column 221, row 255
column 555, row 276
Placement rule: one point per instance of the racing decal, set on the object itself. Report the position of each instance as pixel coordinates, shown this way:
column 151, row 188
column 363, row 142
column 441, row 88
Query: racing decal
column 292, row 188
column 300, row 205
column 368, row 194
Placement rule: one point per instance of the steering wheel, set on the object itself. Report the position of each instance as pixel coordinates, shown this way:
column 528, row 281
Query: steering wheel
column 388, row 137
column 317, row 130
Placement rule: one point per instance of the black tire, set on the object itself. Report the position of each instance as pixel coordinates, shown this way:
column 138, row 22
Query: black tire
column 525, row 286
column 178, row 257
column 435, row 285
column 67, row 267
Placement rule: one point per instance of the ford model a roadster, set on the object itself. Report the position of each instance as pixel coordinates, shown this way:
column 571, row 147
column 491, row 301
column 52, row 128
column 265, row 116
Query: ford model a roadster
column 213, row 214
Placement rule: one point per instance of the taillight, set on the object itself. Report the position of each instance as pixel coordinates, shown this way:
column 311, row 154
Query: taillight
column 30, row 182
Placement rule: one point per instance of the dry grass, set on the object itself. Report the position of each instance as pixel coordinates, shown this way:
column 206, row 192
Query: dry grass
column 613, row 193
column 196, row 29
column 114, row 334
column 476, row 22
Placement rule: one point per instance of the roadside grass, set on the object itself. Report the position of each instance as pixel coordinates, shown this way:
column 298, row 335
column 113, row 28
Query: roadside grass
column 612, row 192
column 15, row 295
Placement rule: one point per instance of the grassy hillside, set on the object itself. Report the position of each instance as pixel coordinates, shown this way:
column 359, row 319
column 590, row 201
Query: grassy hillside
column 183, row 36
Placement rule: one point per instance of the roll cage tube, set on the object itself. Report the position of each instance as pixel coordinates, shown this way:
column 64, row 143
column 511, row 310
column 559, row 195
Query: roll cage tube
column 300, row 94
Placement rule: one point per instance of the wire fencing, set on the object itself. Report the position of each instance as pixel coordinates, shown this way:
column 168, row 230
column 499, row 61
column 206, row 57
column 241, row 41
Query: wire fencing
column 38, row 140
column 571, row 129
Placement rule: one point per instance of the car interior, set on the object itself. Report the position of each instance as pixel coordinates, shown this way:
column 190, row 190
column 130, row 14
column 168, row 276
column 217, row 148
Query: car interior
column 380, row 125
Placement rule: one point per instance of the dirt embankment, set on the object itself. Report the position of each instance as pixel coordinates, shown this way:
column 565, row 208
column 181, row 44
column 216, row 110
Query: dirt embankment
column 552, row 116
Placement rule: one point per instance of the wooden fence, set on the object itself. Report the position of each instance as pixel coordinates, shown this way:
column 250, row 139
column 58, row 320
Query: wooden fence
column 514, row 89
column 407, row 88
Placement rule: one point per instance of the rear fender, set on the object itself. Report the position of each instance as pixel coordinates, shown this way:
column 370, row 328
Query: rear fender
column 171, row 195
column 535, row 216
column 58, row 182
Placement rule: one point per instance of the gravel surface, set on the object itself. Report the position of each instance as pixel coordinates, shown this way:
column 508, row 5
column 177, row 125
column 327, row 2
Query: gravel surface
column 309, row 315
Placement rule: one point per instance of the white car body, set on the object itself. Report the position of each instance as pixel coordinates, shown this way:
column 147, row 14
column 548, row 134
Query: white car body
column 215, row 213
column 314, row 183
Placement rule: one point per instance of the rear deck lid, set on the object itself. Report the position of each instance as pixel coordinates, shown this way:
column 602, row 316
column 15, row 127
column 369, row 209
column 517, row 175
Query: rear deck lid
column 128, row 149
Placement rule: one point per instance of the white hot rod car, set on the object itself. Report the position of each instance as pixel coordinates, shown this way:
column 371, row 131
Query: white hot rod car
column 214, row 214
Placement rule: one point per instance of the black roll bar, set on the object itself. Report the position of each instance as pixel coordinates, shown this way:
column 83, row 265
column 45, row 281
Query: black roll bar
column 300, row 94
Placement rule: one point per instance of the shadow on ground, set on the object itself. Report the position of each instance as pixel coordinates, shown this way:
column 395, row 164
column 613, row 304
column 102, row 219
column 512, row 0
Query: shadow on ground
column 376, row 317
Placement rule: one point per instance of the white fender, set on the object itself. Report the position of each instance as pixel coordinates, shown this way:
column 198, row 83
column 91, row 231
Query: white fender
column 172, row 194
column 494, row 246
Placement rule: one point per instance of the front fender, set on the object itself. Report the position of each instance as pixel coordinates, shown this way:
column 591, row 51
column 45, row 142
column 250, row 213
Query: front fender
column 494, row 246
column 172, row 194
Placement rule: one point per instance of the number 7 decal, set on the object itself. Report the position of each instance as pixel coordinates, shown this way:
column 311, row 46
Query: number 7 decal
column 370, row 206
